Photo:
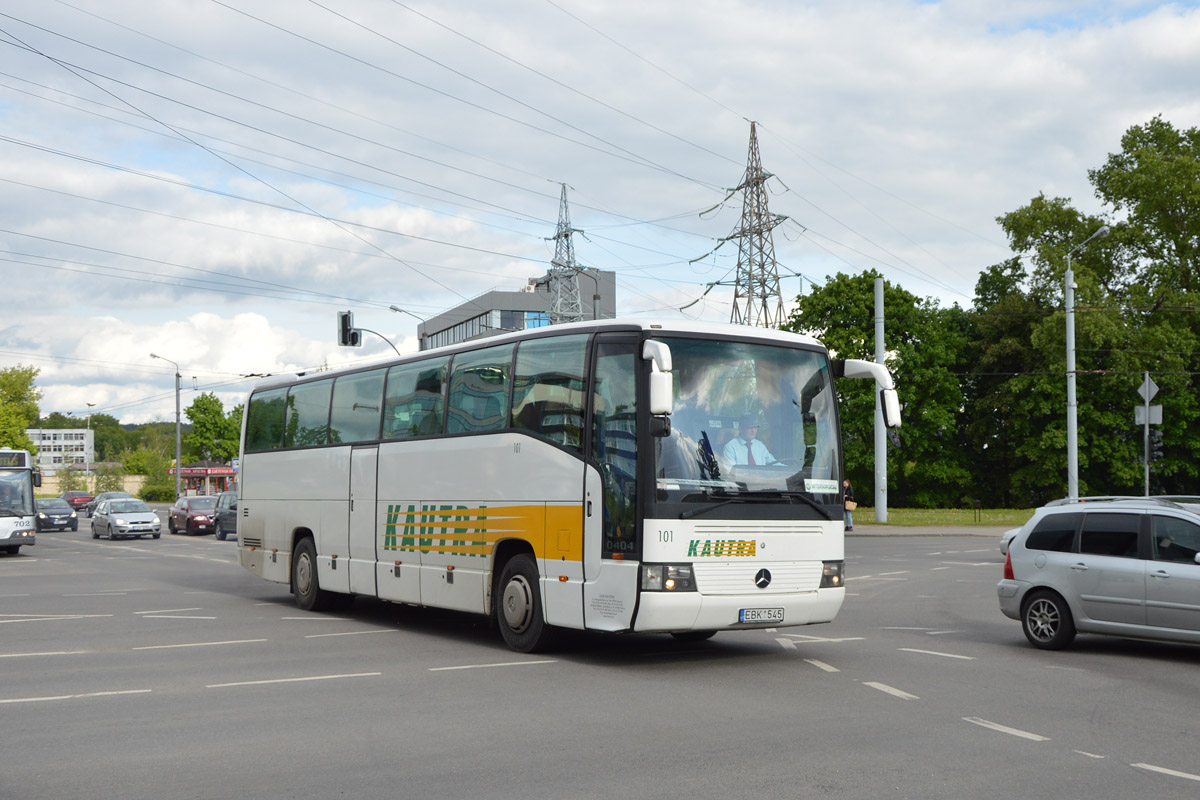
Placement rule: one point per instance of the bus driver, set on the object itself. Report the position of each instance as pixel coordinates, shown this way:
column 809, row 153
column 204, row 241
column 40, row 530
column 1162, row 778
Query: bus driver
column 746, row 447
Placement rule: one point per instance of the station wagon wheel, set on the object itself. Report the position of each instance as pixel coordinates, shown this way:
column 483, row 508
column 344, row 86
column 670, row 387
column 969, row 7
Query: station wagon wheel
column 1047, row 621
column 519, row 611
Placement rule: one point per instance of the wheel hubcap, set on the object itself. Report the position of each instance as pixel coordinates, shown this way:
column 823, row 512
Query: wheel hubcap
column 1043, row 620
column 303, row 574
column 517, row 604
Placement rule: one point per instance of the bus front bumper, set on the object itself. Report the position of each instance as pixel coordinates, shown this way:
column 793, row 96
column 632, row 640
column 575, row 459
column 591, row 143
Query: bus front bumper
column 665, row 612
column 21, row 538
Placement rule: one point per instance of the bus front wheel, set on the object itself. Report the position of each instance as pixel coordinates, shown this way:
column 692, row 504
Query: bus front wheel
column 306, row 587
column 519, row 612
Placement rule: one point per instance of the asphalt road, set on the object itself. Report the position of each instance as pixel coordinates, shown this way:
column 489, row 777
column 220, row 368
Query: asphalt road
column 161, row 669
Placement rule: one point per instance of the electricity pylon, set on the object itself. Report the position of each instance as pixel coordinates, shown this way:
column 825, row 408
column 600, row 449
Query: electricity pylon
column 756, row 297
column 565, row 305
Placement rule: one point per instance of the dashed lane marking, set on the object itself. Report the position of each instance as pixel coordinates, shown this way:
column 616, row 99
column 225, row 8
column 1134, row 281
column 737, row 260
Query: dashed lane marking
column 935, row 653
column 196, row 644
column 1164, row 771
column 295, row 680
column 821, row 665
column 499, row 664
column 349, row 633
column 73, row 696
column 996, row 726
column 167, row 611
column 892, row 690
column 51, row 653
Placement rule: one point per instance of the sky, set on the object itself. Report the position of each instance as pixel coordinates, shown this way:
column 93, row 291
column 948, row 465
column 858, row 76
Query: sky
column 212, row 181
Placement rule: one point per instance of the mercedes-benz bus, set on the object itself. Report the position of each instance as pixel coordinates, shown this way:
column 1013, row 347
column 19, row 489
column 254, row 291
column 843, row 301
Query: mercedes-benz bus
column 18, row 477
column 573, row 476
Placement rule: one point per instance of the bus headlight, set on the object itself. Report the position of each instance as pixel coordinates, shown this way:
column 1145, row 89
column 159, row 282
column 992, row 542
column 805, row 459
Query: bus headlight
column 668, row 578
column 832, row 574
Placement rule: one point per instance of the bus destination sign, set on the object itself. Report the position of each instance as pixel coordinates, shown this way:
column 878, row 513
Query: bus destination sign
column 10, row 458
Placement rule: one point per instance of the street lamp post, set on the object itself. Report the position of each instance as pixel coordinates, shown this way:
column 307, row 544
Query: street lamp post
column 1072, row 406
column 178, row 441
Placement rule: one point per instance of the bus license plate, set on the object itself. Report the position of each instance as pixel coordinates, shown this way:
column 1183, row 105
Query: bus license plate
column 760, row 615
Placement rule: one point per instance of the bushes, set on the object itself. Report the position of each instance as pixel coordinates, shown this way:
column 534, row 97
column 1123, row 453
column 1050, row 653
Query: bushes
column 158, row 493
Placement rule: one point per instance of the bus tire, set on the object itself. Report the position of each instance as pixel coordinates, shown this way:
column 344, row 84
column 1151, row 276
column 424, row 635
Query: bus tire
column 306, row 587
column 519, row 612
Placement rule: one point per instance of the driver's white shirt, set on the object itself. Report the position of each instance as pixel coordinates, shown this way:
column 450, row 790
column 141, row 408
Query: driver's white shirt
column 735, row 452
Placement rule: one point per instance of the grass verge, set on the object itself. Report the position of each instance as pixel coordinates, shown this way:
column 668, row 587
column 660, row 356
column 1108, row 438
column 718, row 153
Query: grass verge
column 964, row 517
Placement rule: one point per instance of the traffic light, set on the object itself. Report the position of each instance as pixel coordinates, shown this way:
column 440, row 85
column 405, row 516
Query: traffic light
column 348, row 335
column 1156, row 444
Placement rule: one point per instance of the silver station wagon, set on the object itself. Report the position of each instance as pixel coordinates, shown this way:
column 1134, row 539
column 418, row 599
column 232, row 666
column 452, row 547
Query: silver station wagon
column 1128, row 567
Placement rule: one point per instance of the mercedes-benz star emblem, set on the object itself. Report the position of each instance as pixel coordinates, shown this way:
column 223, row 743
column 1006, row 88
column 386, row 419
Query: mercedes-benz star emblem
column 763, row 579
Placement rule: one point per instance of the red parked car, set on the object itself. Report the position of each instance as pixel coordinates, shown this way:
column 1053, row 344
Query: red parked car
column 192, row 515
column 77, row 500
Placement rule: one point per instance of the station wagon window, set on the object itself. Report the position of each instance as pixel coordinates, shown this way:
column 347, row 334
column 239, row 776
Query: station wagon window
column 1175, row 539
column 307, row 414
column 479, row 390
column 1055, row 533
column 416, row 394
column 357, row 402
column 549, row 387
column 1110, row 535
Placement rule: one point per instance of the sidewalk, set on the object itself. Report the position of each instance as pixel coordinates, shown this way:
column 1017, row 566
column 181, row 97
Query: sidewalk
column 982, row 531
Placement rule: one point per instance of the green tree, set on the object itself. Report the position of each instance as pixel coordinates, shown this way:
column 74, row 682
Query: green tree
column 71, row 480
column 110, row 478
column 927, row 345
column 213, row 434
column 19, row 399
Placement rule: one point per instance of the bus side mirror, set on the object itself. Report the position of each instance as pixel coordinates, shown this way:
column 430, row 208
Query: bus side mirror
column 889, row 401
column 37, row 479
column 662, row 400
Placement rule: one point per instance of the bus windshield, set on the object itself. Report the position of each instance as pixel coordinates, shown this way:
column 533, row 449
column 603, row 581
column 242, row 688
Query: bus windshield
column 753, row 421
column 16, row 493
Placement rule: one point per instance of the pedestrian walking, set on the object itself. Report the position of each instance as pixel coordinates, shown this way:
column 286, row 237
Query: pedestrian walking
column 848, row 503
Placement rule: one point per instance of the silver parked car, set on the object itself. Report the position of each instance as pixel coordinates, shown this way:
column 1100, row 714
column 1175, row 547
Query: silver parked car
column 1122, row 567
column 125, row 517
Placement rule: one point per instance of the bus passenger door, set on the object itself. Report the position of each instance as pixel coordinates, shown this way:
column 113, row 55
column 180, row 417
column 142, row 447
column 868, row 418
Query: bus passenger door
column 363, row 512
column 610, row 552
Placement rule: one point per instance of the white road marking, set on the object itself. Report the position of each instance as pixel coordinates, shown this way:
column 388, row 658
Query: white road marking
column 73, row 696
column 26, row 594
column 1165, row 771
column 320, row 618
column 97, row 594
column 500, row 664
column 1089, row 755
column 892, row 690
column 995, row 726
column 349, row 633
column 167, row 611
column 935, row 653
column 52, row 653
column 939, row 633
column 786, row 644
column 899, row 628
column 821, row 665
column 196, row 644
column 49, row 617
column 173, row 616
column 295, row 680
column 802, row 637
column 898, row 572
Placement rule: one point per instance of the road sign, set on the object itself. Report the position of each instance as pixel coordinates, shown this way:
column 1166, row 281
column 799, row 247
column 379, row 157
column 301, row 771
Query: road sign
column 1148, row 389
column 1139, row 415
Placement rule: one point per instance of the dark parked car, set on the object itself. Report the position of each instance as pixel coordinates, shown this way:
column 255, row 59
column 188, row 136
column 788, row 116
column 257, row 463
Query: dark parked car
column 55, row 514
column 98, row 499
column 192, row 515
column 78, row 500
column 125, row 516
column 226, row 515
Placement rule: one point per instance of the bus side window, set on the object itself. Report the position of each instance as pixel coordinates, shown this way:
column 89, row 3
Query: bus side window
column 307, row 414
column 416, row 394
column 549, row 388
column 479, row 390
column 264, row 423
column 357, row 400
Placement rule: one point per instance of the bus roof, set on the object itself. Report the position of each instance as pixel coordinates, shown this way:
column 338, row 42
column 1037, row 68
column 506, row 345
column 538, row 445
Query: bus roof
column 587, row 326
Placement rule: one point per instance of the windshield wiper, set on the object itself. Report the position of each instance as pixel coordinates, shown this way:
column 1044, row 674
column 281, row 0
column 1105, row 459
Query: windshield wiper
column 804, row 496
column 695, row 512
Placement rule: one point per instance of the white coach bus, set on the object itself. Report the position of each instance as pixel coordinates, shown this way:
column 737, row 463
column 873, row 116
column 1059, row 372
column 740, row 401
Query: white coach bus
column 18, row 478
column 577, row 476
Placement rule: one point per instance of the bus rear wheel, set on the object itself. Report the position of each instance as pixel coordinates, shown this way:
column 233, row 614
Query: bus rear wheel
column 306, row 587
column 519, row 612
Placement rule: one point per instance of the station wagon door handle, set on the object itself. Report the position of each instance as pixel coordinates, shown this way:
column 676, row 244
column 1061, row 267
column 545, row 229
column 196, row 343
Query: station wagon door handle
column 1160, row 574
column 1079, row 567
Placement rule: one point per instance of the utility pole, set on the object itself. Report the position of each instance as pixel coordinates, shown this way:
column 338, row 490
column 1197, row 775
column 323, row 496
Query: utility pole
column 565, row 305
column 756, row 297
